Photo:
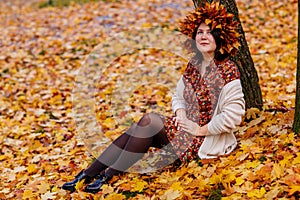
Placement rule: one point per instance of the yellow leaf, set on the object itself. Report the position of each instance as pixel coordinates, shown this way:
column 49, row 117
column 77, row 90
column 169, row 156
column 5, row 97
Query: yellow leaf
column 138, row 185
column 253, row 164
column 3, row 157
column 109, row 123
column 258, row 193
column 252, row 112
column 48, row 195
column 146, row 25
column 79, row 185
column 286, row 160
column 161, row 103
column 177, row 186
column 215, row 178
column 110, row 134
column 55, row 189
column 239, row 181
column 115, row 196
column 294, row 188
column 277, row 171
column 107, row 189
column 242, row 156
column 31, row 168
column 170, row 194
column 272, row 194
column 207, row 21
column 43, row 187
column 296, row 160
column 27, row 194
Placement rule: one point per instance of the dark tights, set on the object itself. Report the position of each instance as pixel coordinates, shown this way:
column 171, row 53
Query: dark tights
column 128, row 148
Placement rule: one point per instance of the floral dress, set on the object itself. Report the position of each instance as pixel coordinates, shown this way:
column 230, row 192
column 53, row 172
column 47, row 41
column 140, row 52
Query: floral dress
column 201, row 95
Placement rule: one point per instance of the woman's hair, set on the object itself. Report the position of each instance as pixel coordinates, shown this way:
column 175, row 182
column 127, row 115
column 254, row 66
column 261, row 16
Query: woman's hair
column 216, row 34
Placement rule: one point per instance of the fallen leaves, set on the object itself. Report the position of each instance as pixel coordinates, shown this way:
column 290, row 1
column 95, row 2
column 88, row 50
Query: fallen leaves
column 41, row 53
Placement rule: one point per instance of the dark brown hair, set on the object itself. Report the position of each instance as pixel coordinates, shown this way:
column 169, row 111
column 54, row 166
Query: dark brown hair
column 216, row 34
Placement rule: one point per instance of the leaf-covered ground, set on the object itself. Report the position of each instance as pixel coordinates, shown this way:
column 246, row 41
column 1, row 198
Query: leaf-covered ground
column 41, row 53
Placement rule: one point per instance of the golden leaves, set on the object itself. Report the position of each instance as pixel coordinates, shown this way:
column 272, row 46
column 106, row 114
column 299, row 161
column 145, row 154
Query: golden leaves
column 257, row 193
column 171, row 194
column 39, row 61
column 48, row 195
column 138, row 185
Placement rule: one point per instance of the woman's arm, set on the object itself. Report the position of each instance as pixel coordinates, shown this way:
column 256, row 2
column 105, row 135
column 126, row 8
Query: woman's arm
column 231, row 109
column 178, row 102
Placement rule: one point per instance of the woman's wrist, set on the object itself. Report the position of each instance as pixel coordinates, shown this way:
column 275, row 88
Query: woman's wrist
column 181, row 113
column 203, row 130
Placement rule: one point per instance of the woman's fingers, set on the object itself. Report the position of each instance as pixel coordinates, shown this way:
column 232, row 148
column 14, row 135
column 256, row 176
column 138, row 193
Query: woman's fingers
column 177, row 122
column 182, row 124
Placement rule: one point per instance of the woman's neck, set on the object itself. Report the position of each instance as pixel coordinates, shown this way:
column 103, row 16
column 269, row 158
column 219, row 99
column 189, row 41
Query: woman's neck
column 205, row 62
column 207, row 58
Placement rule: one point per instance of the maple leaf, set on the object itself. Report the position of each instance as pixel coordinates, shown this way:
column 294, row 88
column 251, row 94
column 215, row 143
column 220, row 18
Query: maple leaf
column 258, row 193
column 37, row 77
column 114, row 196
column 79, row 185
column 239, row 181
column 293, row 189
column 171, row 194
column 273, row 193
column 48, row 195
column 28, row 194
column 177, row 186
column 297, row 159
column 106, row 189
column 252, row 113
column 43, row 187
column 277, row 171
column 31, row 168
column 138, row 185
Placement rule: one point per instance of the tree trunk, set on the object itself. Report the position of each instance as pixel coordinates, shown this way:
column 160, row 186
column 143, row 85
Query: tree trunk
column 296, row 124
column 243, row 60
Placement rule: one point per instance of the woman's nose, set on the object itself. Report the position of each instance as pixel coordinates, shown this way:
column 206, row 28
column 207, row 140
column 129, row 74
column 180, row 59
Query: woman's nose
column 204, row 35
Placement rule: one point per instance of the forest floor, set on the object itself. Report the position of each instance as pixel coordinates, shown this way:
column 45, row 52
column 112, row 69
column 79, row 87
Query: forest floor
column 44, row 55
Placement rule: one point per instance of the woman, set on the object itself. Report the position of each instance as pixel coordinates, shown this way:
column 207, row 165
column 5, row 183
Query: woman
column 208, row 104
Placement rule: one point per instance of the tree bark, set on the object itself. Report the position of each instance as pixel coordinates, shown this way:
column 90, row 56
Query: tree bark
column 243, row 60
column 296, row 124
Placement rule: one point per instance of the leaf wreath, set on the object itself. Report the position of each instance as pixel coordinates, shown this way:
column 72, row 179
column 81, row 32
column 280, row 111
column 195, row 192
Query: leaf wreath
column 216, row 17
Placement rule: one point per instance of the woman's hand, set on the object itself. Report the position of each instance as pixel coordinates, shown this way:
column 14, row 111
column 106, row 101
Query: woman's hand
column 189, row 126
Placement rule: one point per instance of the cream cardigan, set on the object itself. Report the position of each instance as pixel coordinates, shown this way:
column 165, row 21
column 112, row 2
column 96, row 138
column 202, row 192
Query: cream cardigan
column 228, row 114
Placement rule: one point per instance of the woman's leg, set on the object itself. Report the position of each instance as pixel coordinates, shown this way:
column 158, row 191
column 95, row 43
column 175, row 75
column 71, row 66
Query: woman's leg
column 131, row 146
column 124, row 151
column 109, row 155
column 149, row 132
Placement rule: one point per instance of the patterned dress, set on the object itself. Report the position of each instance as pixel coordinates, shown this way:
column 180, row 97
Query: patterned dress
column 201, row 95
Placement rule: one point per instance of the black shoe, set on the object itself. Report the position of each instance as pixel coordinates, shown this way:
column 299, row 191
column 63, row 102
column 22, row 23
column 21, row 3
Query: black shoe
column 95, row 187
column 81, row 176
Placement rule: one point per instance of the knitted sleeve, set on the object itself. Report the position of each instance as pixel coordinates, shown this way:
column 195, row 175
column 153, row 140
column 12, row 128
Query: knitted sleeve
column 230, row 109
column 178, row 99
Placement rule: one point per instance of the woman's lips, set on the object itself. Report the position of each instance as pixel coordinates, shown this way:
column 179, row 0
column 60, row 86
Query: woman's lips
column 204, row 43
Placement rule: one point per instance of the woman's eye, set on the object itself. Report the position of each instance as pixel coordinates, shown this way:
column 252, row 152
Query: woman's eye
column 201, row 32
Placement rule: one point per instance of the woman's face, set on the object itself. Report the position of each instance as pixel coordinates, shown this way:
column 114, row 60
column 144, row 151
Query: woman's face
column 205, row 41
